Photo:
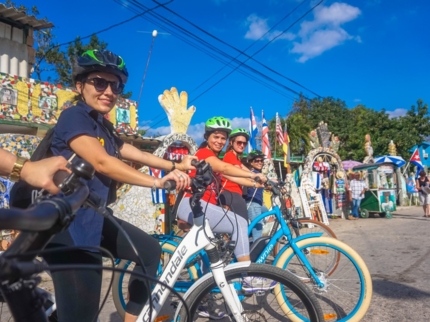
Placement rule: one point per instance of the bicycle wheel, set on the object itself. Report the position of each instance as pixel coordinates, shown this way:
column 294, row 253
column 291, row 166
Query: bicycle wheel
column 347, row 291
column 259, row 305
column 307, row 226
column 120, row 280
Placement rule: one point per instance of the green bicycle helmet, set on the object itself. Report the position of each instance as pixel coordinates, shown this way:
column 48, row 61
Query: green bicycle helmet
column 254, row 154
column 218, row 123
column 239, row 132
column 102, row 61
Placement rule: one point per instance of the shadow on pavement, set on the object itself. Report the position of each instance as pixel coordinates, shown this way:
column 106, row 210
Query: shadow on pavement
column 413, row 217
column 395, row 290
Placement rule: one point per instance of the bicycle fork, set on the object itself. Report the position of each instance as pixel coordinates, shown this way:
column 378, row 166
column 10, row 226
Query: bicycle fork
column 228, row 291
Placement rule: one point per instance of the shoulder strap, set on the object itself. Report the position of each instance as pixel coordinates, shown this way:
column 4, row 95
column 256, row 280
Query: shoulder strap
column 43, row 150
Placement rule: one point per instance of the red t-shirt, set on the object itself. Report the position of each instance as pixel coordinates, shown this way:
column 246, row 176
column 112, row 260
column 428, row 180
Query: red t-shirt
column 211, row 194
column 228, row 185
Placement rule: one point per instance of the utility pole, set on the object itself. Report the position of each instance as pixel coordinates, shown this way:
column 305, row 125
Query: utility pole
column 154, row 34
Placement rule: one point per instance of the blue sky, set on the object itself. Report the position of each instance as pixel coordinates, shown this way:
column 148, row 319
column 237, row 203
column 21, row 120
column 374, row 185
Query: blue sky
column 371, row 52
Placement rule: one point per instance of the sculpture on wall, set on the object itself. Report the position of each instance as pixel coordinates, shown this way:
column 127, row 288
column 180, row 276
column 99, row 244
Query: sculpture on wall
column 175, row 106
column 334, row 143
column 368, row 150
column 313, row 139
column 143, row 207
column 368, row 146
column 392, row 150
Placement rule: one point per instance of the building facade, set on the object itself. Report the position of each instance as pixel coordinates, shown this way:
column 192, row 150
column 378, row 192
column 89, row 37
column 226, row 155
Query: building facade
column 17, row 54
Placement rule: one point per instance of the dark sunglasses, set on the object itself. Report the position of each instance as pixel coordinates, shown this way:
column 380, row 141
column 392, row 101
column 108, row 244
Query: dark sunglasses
column 258, row 161
column 100, row 84
column 240, row 142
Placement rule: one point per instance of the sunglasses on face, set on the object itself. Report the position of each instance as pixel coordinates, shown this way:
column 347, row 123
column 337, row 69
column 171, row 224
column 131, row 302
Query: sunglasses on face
column 258, row 161
column 100, row 84
column 240, row 142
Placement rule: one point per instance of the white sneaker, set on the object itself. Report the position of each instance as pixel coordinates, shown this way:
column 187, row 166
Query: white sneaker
column 204, row 312
column 250, row 284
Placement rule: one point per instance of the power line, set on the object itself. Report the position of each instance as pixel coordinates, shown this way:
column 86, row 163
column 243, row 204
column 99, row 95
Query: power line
column 250, row 57
column 242, row 52
column 202, row 49
column 274, row 26
column 204, row 42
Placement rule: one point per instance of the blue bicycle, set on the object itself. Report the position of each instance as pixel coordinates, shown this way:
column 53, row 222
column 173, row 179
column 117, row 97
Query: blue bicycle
column 332, row 269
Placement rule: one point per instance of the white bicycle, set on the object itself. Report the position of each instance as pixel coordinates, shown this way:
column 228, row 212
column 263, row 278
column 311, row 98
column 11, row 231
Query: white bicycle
column 220, row 291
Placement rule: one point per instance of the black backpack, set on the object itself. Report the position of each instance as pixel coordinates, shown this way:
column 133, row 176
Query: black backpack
column 21, row 192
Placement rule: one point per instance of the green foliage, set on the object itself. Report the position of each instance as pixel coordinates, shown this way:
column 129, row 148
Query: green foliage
column 298, row 130
column 351, row 126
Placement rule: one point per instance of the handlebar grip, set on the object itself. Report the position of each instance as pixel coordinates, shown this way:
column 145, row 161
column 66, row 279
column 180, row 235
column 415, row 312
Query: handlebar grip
column 258, row 180
column 170, row 185
column 59, row 177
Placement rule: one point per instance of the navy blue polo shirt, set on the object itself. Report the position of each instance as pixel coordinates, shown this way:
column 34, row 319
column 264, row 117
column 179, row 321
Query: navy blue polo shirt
column 258, row 197
column 81, row 119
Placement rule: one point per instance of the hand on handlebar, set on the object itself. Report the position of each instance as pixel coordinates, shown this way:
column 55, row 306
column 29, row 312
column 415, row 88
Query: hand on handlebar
column 187, row 163
column 182, row 180
column 260, row 177
column 41, row 173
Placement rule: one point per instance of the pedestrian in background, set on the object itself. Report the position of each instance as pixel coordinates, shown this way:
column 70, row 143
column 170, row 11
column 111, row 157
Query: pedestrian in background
column 423, row 182
column 357, row 187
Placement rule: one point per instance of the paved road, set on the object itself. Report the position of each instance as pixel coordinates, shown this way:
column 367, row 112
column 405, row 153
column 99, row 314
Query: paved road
column 397, row 252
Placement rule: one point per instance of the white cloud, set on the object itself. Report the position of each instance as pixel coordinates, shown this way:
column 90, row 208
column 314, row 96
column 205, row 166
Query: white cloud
column 324, row 31
column 315, row 36
column 397, row 112
column 257, row 28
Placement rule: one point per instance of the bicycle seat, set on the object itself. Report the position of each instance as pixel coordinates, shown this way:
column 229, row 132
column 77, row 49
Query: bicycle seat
column 184, row 225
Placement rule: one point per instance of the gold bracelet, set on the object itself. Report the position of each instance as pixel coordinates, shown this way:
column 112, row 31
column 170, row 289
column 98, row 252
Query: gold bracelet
column 15, row 174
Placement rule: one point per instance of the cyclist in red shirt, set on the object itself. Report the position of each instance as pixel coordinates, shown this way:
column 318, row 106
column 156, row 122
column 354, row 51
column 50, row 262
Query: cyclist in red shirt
column 221, row 220
column 231, row 193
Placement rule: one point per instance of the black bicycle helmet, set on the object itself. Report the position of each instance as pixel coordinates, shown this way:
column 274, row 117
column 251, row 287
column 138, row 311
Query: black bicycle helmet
column 99, row 60
column 254, row 154
column 239, row 132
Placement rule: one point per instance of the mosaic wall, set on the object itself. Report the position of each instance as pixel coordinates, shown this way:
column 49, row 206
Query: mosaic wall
column 20, row 145
column 28, row 100
column 134, row 205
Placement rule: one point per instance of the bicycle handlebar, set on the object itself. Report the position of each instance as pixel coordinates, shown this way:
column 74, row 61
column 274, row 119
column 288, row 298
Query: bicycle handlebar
column 45, row 214
column 203, row 175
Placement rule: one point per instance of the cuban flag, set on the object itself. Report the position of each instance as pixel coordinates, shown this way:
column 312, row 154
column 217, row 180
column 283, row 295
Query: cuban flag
column 416, row 160
column 159, row 195
column 265, row 143
column 253, row 131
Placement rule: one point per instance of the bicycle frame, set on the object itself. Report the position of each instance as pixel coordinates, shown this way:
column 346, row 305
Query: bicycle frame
column 198, row 238
column 292, row 242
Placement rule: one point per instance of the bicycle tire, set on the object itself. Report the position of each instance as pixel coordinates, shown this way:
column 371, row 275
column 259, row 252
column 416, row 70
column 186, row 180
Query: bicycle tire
column 304, row 298
column 305, row 229
column 119, row 287
column 335, row 307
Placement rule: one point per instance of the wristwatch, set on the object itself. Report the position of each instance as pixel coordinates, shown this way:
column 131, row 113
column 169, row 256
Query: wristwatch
column 15, row 174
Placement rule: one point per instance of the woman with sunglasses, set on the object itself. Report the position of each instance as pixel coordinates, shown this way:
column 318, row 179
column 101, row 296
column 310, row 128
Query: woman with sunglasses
column 231, row 193
column 254, row 196
column 99, row 77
